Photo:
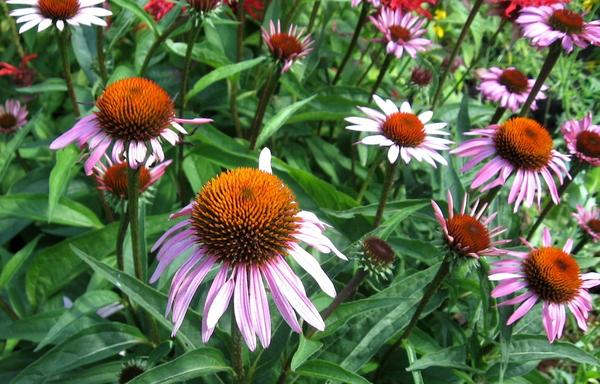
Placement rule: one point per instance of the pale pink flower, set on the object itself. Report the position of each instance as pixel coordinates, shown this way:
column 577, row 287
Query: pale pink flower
column 583, row 139
column 589, row 221
column 402, row 31
column 550, row 275
column 508, row 87
column 13, row 116
column 287, row 47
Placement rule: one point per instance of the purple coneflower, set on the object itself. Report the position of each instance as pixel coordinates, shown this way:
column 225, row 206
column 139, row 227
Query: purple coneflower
column 408, row 135
column 245, row 221
column 589, row 221
column 13, row 116
column 509, row 87
column 467, row 232
column 44, row 13
column 583, row 139
column 550, row 275
column 133, row 116
column 520, row 146
column 287, row 47
column 402, row 31
column 546, row 24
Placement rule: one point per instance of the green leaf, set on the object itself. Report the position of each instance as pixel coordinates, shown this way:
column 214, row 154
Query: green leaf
column 327, row 370
column 453, row 357
column 324, row 194
column 13, row 266
column 35, row 207
column 93, row 344
column 48, row 85
column 61, row 175
column 193, row 364
column 306, row 348
column 87, row 303
column 153, row 301
column 139, row 12
column 530, row 347
column 398, row 216
column 32, row 328
column 279, row 119
column 224, row 72
column 8, row 152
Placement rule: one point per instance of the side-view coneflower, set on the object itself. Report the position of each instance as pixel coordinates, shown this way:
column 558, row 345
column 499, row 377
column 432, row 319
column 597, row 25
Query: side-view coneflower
column 203, row 6
column 376, row 257
column 44, row 13
column 245, row 222
column 546, row 24
column 13, row 116
column 286, row 47
column 589, row 222
column 407, row 135
column 467, row 232
column 550, row 275
column 508, row 87
column 134, row 115
column 583, row 139
column 402, row 32
column 520, row 146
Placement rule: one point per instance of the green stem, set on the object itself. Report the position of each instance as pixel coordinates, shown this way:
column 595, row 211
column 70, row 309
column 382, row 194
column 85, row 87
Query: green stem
column 123, row 223
column 14, row 33
column 239, row 55
column 389, row 181
column 374, row 59
column 384, row 68
column 580, row 244
column 100, row 54
column 313, row 15
column 159, row 42
column 237, row 353
column 362, row 19
column 63, row 41
column 553, row 55
column 461, row 38
column 133, row 181
column 263, row 103
column 370, row 174
column 193, row 35
column 497, row 115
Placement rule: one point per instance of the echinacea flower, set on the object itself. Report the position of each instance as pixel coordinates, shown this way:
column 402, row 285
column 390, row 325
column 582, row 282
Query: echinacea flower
column 377, row 257
column 203, row 5
column 583, row 139
column 402, row 32
column 408, row 135
column 520, row 146
column 244, row 222
column 467, row 232
column 286, row 47
column 508, row 87
column 44, row 13
column 133, row 116
column 112, row 176
column 546, row 24
column 589, row 222
column 13, row 116
column 421, row 76
column 550, row 275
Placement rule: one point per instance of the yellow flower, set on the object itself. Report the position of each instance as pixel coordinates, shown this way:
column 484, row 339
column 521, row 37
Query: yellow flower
column 440, row 14
column 589, row 4
column 439, row 31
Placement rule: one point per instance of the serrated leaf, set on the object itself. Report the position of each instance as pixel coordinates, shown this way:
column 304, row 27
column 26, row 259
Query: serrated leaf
column 60, row 176
column 327, row 370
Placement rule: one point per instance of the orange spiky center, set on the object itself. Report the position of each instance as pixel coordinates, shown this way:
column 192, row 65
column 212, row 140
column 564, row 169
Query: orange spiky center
column 7, row 121
column 399, row 34
column 552, row 274
column 58, row 9
column 404, row 129
column 115, row 179
column 467, row 231
column 134, row 109
column 594, row 225
column 588, row 143
column 245, row 216
column 567, row 21
column 378, row 251
column 514, row 81
column 524, row 143
column 285, row 46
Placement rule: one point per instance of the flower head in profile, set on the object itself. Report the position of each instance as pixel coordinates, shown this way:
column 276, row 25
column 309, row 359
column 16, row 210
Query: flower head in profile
column 421, row 76
column 467, row 232
column 508, row 87
column 134, row 116
column 520, row 146
column 407, row 135
column 550, row 275
column 583, row 139
column 286, row 47
column 546, row 24
column 203, row 6
column 589, row 222
column 402, row 32
column 377, row 257
column 44, row 13
column 245, row 222
column 13, row 116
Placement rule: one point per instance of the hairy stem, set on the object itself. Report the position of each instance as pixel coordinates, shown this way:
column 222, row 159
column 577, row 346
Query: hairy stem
column 389, row 181
column 63, row 43
column 263, row 103
column 133, row 181
column 237, row 353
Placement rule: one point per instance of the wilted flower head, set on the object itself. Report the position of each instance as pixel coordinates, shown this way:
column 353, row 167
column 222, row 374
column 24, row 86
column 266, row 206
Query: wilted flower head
column 550, row 275
column 287, row 47
column 467, row 232
column 134, row 115
column 421, row 76
column 44, row 13
column 508, row 87
column 402, row 32
column 583, row 139
column 13, row 116
column 245, row 222
column 406, row 134
column 520, row 146
column 546, row 24
column 589, row 222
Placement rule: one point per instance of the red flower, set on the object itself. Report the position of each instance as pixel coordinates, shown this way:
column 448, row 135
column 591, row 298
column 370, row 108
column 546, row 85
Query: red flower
column 22, row 75
column 158, row 8
column 410, row 5
column 510, row 8
column 254, row 8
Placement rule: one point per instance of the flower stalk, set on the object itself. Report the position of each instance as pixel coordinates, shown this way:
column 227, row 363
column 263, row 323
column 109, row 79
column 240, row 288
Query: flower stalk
column 133, row 179
column 63, row 41
column 497, row 115
column 584, row 240
column 313, row 15
column 237, row 353
column 263, row 103
column 14, row 34
column 389, row 181
column 551, row 59
column 362, row 19
column 123, row 224
column 100, row 55
column 160, row 41
column 384, row 68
